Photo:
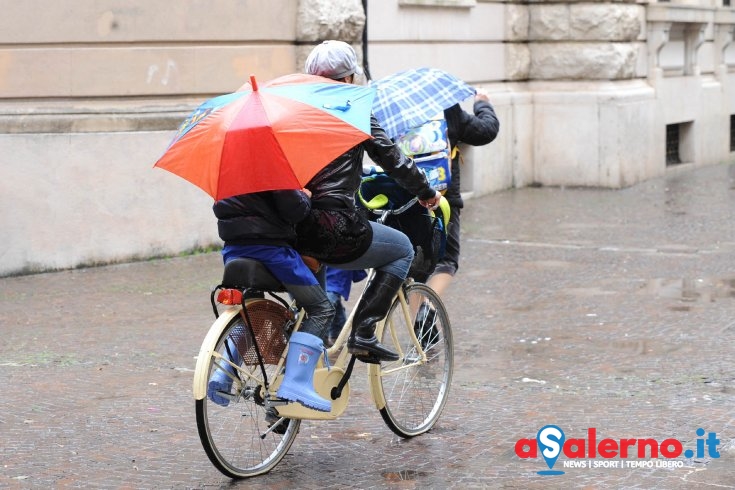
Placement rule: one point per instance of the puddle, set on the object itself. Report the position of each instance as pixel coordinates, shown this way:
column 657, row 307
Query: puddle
column 705, row 290
column 637, row 347
column 680, row 308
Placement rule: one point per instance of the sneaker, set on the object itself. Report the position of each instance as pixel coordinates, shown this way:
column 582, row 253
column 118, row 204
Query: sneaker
column 425, row 327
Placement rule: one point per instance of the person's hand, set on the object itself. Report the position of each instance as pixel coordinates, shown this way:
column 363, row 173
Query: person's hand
column 432, row 203
column 307, row 192
column 482, row 95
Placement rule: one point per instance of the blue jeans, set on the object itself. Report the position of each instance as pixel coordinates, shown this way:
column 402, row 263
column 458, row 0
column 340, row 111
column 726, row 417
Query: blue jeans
column 319, row 310
column 340, row 315
column 390, row 251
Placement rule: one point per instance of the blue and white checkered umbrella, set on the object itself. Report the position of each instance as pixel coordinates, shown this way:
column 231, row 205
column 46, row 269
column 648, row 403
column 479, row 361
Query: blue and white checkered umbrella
column 410, row 98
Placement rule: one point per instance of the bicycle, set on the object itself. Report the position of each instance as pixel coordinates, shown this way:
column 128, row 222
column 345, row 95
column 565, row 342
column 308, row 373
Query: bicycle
column 254, row 430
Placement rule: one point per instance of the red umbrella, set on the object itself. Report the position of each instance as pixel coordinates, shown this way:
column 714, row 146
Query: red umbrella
column 276, row 136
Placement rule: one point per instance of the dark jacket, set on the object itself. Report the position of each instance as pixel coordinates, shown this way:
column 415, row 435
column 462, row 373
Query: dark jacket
column 339, row 180
column 261, row 218
column 477, row 130
column 335, row 231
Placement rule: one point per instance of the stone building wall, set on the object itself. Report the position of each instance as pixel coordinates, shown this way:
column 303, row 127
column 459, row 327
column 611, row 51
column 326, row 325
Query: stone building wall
column 90, row 94
column 589, row 93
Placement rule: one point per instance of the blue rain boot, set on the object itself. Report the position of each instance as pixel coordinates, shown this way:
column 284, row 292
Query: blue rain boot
column 221, row 381
column 304, row 350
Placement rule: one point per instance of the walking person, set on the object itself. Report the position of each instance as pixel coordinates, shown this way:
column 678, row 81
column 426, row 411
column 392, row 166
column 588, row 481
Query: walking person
column 476, row 129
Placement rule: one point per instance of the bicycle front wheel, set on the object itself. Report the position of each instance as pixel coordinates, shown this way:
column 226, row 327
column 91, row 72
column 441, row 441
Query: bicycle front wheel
column 240, row 438
column 414, row 389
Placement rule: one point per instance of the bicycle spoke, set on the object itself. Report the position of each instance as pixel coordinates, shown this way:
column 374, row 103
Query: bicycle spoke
column 232, row 419
column 415, row 389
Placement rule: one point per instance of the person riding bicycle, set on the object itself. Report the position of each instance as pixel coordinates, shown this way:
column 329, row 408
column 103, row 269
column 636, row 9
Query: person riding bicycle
column 338, row 234
column 261, row 226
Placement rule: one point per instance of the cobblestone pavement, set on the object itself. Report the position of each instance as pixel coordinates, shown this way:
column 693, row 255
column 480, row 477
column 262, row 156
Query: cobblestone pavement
column 612, row 310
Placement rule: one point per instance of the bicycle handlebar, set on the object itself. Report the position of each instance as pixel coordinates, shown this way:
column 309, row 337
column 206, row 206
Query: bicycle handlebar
column 375, row 205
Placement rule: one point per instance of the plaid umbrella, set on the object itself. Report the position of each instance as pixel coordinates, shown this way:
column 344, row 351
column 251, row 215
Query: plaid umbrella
column 410, row 98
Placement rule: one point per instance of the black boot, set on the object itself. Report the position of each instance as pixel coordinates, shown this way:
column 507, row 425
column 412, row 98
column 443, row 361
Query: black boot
column 372, row 308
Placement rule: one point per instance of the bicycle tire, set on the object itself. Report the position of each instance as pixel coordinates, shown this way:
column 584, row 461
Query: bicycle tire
column 414, row 391
column 236, row 437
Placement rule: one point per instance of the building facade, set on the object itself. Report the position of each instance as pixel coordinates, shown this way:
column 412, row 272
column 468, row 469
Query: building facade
column 589, row 93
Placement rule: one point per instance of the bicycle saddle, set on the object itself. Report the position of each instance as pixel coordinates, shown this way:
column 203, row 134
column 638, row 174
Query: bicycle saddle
column 249, row 274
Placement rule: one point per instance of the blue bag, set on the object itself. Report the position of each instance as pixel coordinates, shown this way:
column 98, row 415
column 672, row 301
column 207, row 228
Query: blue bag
column 428, row 145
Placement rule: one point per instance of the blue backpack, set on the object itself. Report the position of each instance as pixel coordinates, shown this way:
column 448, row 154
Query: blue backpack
column 429, row 147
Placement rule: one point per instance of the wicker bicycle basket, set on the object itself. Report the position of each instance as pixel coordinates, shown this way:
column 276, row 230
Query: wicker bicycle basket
column 269, row 321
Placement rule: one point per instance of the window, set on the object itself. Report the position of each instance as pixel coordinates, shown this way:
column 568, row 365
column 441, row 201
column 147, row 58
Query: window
column 672, row 144
column 680, row 143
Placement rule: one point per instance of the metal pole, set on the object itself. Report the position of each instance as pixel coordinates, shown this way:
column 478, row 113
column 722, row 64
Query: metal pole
column 365, row 64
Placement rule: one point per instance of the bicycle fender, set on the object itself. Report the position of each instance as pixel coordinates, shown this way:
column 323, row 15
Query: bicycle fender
column 376, row 391
column 199, row 387
column 373, row 373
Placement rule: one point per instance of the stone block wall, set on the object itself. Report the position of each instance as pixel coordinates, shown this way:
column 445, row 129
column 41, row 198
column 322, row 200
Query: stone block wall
column 118, row 48
column 585, row 91
column 90, row 95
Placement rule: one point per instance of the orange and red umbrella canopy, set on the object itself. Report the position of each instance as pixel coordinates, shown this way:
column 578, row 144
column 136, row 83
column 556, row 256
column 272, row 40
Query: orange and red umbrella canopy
column 270, row 137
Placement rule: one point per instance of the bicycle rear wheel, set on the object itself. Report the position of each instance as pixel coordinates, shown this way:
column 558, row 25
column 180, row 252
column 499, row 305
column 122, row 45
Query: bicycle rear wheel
column 236, row 432
column 414, row 389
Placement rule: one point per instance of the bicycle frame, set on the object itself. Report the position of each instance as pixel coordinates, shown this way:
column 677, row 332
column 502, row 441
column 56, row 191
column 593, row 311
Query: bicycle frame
column 326, row 379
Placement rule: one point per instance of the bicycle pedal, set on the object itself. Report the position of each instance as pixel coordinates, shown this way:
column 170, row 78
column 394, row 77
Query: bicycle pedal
column 273, row 419
column 363, row 355
column 367, row 358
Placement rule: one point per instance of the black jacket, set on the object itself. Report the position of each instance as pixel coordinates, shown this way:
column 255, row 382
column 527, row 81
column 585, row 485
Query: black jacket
column 476, row 130
column 261, row 218
column 339, row 180
column 335, row 231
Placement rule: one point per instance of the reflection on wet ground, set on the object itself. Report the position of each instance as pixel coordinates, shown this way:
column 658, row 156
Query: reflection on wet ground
column 705, row 290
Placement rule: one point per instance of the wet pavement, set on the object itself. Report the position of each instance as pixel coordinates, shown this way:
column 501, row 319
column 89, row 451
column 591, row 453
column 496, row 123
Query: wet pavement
column 583, row 309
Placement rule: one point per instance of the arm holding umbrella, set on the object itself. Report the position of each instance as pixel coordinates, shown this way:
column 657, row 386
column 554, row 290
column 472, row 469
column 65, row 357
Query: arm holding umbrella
column 478, row 129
